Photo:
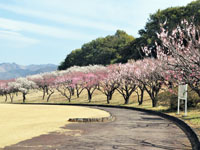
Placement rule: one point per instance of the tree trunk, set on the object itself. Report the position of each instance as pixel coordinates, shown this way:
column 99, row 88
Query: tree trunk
column 72, row 91
column 6, row 98
column 138, row 97
column 126, row 97
column 49, row 96
column 141, row 97
column 47, row 90
column 43, row 94
column 24, row 97
column 11, row 97
column 154, row 98
column 126, row 93
column 89, row 95
column 153, row 93
column 108, row 98
column 126, row 100
column 154, row 102
column 68, row 97
column 77, row 93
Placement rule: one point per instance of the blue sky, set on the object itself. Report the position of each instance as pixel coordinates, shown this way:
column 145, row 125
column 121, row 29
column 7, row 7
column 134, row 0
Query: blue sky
column 45, row 31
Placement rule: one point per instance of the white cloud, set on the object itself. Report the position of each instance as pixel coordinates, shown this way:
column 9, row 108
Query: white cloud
column 117, row 10
column 103, row 15
column 62, row 18
column 8, row 24
column 16, row 39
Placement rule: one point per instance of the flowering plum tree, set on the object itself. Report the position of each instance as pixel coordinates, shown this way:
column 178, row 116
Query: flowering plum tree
column 136, row 67
column 90, row 83
column 22, row 85
column 4, row 89
column 149, row 73
column 40, row 82
column 180, row 49
column 49, row 82
column 88, row 77
column 43, row 81
column 64, row 85
column 77, row 82
column 108, row 83
column 140, row 93
column 126, row 81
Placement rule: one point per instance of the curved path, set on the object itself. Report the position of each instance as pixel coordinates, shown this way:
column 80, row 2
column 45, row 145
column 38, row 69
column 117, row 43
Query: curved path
column 131, row 130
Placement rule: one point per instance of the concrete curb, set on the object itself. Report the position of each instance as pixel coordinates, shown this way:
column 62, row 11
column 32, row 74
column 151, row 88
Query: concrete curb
column 100, row 119
column 104, row 119
column 181, row 124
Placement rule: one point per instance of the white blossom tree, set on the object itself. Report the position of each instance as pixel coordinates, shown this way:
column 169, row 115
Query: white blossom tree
column 22, row 85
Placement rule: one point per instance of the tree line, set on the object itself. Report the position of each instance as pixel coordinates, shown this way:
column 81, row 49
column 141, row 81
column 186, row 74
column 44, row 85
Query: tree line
column 121, row 47
column 102, row 51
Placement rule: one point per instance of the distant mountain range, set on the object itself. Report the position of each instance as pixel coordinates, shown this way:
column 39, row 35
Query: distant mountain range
column 13, row 70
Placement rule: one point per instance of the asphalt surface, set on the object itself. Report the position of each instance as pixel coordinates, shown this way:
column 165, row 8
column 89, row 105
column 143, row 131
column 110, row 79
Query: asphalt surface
column 131, row 130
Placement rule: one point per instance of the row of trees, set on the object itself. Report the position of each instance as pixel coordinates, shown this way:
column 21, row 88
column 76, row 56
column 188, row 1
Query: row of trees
column 124, row 78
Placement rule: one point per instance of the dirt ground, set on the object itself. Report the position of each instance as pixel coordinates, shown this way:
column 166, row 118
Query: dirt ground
column 22, row 122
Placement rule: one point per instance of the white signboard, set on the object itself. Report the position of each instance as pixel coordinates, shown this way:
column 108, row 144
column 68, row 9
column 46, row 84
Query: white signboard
column 182, row 91
column 182, row 95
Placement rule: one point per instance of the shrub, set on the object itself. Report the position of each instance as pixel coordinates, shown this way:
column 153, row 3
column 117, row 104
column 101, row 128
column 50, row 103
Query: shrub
column 170, row 99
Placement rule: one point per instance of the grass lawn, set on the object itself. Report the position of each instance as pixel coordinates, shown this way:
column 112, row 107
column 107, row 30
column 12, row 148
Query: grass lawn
column 193, row 118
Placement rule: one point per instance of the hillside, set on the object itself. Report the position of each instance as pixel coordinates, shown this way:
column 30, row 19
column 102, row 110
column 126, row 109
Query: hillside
column 104, row 51
column 13, row 70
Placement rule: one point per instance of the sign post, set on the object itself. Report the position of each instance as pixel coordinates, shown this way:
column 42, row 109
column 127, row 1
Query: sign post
column 182, row 95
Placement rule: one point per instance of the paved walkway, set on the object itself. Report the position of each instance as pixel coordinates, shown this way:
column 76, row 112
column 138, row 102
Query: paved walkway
column 131, row 130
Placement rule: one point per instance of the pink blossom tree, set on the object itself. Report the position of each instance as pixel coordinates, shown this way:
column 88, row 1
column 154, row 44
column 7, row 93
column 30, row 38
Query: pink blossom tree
column 108, row 81
column 12, row 88
column 64, row 85
column 126, row 81
column 90, row 83
column 76, row 74
column 49, row 82
column 43, row 81
column 88, row 77
column 180, row 50
column 137, row 75
column 149, row 73
column 4, row 89
column 78, row 82
column 140, row 93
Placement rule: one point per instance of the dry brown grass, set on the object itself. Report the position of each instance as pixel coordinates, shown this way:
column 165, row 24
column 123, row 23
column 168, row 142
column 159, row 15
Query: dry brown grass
column 21, row 122
column 98, row 98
